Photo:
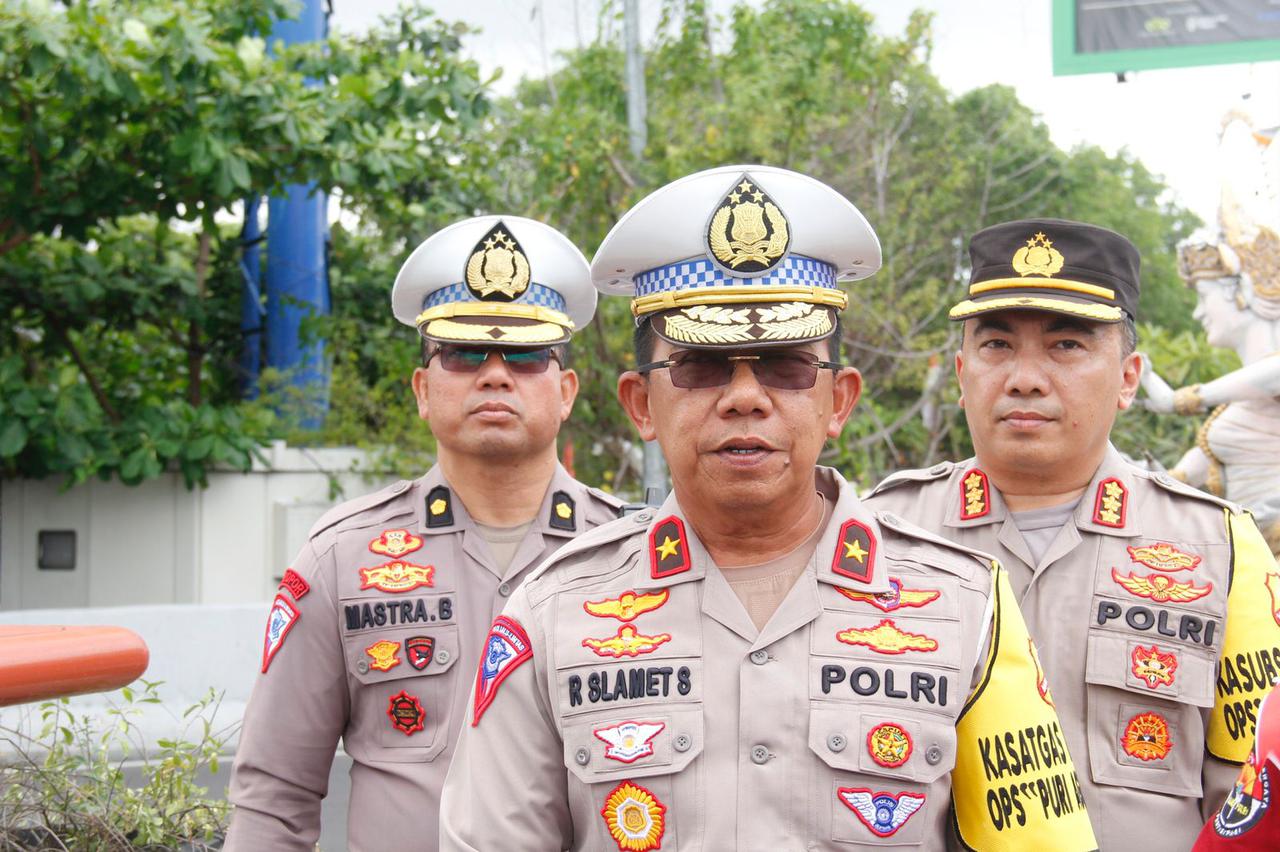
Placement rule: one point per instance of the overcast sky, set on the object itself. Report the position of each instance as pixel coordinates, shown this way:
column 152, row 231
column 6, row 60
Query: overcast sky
column 1167, row 118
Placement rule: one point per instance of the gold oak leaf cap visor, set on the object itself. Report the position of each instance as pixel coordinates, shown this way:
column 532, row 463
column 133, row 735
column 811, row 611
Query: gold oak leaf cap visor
column 738, row 257
column 495, row 281
column 1052, row 265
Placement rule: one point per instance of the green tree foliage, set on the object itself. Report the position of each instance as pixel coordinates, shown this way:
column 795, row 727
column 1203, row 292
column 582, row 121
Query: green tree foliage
column 807, row 84
column 129, row 132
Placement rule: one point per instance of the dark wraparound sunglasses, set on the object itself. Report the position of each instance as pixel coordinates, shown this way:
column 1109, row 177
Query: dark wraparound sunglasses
column 781, row 370
column 469, row 359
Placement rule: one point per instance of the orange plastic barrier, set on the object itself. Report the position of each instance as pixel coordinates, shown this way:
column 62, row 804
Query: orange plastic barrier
column 39, row 662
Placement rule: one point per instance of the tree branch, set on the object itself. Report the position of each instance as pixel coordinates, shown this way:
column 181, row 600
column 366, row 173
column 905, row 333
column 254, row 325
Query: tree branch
column 195, row 351
column 103, row 402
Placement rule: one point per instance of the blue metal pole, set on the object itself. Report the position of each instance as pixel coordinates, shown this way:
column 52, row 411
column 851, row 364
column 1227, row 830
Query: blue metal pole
column 297, row 278
column 251, row 309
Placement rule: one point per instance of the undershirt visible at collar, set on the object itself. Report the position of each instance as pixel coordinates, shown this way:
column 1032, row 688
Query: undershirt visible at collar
column 503, row 542
column 762, row 588
column 1039, row 527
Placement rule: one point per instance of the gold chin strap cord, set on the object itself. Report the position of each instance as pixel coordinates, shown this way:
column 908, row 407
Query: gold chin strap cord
column 837, row 299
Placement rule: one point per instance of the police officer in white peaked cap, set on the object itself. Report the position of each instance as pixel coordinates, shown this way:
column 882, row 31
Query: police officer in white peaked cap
column 762, row 662
column 380, row 620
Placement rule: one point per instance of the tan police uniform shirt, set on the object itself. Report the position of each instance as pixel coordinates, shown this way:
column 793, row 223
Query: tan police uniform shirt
column 1130, row 611
column 627, row 701
column 373, row 638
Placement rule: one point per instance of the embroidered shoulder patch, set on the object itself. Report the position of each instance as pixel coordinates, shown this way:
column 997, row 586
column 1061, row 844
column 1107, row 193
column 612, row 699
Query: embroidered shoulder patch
column 668, row 550
column 635, row 818
column 293, row 583
column 1248, row 801
column 975, row 495
column 439, row 507
column 505, row 648
column 1154, row 667
column 629, row 741
column 1146, row 737
column 563, row 512
column 395, row 543
column 280, row 621
column 883, row 813
column 1111, row 503
column 419, row 650
column 855, row 554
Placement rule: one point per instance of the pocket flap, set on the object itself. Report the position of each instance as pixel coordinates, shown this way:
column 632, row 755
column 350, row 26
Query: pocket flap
column 903, row 745
column 637, row 745
column 401, row 653
column 1151, row 669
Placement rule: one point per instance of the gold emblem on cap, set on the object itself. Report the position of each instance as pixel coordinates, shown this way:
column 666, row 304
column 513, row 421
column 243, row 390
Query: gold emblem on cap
column 498, row 268
column 748, row 234
column 1037, row 257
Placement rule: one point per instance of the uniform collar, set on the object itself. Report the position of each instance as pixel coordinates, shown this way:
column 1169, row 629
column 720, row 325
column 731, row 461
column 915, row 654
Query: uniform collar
column 1106, row 507
column 848, row 552
column 439, row 510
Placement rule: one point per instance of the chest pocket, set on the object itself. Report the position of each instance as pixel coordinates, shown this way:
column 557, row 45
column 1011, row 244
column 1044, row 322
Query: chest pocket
column 874, row 769
column 636, row 774
column 1146, row 705
column 403, row 685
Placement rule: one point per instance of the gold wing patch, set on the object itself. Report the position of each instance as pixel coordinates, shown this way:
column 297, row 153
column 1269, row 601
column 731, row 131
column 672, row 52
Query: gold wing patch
column 627, row 606
column 1160, row 588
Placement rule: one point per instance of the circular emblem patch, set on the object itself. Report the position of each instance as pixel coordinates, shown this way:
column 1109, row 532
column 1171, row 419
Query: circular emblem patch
column 1247, row 803
column 1146, row 737
column 889, row 745
column 406, row 713
column 634, row 817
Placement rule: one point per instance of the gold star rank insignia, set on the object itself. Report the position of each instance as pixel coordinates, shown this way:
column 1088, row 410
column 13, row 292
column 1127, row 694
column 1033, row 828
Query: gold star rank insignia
column 1037, row 257
column 439, row 507
column 975, row 497
column 1110, row 503
column 563, row 512
column 856, row 552
column 667, row 551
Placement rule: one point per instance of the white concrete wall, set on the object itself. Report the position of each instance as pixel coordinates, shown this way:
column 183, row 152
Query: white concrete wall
column 159, row 542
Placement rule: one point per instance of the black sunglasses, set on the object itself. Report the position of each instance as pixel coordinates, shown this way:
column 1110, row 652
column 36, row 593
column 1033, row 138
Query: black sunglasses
column 780, row 370
column 469, row 359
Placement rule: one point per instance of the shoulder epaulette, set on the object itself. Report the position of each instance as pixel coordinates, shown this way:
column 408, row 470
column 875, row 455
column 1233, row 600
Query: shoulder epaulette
column 353, row 507
column 606, row 498
column 924, row 474
column 1168, row 483
column 910, row 530
column 614, row 530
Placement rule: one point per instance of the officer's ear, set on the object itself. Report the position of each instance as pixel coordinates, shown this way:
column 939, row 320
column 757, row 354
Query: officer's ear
column 846, row 390
column 960, row 376
column 419, row 383
column 568, row 392
column 633, row 394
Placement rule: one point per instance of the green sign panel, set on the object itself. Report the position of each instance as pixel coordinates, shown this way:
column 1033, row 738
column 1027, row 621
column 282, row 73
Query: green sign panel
column 1091, row 36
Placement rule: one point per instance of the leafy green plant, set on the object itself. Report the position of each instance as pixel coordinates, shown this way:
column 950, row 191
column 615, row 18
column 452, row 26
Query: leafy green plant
column 81, row 784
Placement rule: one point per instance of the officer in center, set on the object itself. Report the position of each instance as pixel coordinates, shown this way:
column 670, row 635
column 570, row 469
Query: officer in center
column 377, row 627
column 761, row 662
column 1156, row 606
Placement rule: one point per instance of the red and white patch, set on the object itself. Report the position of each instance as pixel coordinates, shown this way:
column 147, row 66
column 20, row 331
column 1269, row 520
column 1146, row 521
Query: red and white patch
column 881, row 812
column 280, row 621
column 505, row 648
column 293, row 583
column 629, row 741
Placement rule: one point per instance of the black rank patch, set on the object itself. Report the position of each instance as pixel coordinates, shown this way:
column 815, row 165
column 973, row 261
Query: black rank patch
column 439, row 507
column 748, row 234
column 855, row 552
column 564, row 514
column 419, row 650
column 497, row 269
column 668, row 550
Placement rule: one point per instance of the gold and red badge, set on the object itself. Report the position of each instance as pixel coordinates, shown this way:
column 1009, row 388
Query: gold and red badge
column 1163, row 557
column 975, row 498
column 668, row 551
column 1110, row 504
column 855, row 555
column 406, row 714
column 897, row 597
column 627, row 643
column 384, row 655
column 635, row 818
column 889, row 745
column 395, row 543
column 1146, row 737
column 626, row 606
column 1160, row 588
column 397, row 577
column 1153, row 666
column 887, row 638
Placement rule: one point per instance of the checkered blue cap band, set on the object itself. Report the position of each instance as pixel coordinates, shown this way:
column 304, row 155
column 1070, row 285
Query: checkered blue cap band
column 697, row 273
column 537, row 294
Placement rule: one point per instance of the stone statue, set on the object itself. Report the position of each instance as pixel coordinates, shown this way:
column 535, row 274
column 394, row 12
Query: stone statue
column 1237, row 284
